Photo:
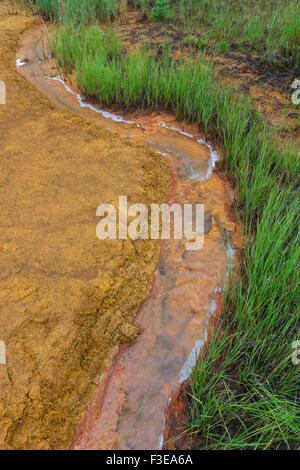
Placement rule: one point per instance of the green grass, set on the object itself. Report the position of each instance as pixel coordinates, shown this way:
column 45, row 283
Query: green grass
column 160, row 10
column 245, row 388
column 49, row 9
column 76, row 11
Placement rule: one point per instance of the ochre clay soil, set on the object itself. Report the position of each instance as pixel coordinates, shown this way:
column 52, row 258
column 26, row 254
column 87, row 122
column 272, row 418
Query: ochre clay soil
column 67, row 299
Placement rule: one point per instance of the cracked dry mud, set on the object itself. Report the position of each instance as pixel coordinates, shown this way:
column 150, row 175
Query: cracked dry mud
column 66, row 299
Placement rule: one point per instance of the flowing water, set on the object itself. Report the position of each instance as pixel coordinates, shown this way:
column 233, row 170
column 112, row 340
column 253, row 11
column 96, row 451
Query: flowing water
column 127, row 409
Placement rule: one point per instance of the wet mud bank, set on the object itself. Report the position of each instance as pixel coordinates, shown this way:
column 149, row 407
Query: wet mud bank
column 127, row 409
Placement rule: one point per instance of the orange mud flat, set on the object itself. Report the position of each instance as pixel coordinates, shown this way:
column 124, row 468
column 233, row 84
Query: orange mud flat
column 67, row 299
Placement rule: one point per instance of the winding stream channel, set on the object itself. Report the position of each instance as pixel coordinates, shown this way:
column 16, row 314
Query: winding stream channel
column 127, row 408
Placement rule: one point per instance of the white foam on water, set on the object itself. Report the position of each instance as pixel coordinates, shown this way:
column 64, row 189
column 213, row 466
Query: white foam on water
column 61, row 80
column 213, row 158
column 191, row 361
column 83, row 104
column 161, row 441
column 176, row 129
column 105, row 114
column 230, row 252
column 20, row 63
column 162, row 154
column 161, row 437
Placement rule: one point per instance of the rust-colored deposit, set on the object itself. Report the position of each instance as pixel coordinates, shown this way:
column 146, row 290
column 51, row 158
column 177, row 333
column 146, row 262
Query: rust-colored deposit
column 67, row 299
